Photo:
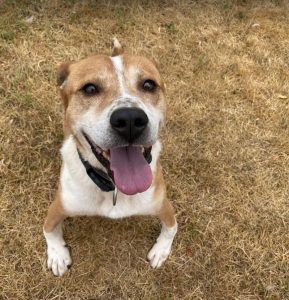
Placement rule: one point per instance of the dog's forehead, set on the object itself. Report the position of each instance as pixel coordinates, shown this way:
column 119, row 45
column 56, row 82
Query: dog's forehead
column 103, row 67
column 99, row 66
column 140, row 65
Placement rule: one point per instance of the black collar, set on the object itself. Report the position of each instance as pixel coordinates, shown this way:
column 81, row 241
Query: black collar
column 99, row 177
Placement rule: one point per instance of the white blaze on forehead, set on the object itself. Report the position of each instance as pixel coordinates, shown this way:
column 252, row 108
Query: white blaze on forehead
column 118, row 65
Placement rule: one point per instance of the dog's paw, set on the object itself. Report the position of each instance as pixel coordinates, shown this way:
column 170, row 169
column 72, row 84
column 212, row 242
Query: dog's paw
column 59, row 260
column 159, row 253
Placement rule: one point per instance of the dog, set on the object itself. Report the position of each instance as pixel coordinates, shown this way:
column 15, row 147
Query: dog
column 114, row 108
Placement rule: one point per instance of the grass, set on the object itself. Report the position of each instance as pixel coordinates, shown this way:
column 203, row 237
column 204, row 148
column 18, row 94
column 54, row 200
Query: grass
column 226, row 149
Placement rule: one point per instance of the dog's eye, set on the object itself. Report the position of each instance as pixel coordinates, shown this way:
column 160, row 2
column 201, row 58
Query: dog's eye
column 149, row 85
column 90, row 89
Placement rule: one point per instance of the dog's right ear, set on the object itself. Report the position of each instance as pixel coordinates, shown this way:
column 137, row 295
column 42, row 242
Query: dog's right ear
column 62, row 75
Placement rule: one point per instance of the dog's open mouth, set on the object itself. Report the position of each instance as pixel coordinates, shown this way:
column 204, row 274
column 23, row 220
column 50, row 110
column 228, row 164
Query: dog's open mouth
column 129, row 166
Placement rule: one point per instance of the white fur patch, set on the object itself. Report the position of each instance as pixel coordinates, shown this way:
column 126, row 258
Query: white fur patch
column 59, row 259
column 162, row 248
column 96, row 126
column 118, row 65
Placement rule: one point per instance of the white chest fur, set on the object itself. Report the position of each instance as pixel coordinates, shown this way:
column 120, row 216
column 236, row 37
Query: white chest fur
column 80, row 196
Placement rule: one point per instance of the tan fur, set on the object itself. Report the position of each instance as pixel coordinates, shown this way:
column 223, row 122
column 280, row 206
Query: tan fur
column 166, row 212
column 159, row 183
column 62, row 74
column 95, row 69
column 80, row 73
column 56, row 213
column 144, row 69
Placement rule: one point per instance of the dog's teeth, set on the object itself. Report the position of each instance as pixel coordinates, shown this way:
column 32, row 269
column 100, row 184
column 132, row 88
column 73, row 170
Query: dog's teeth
column 105, row 154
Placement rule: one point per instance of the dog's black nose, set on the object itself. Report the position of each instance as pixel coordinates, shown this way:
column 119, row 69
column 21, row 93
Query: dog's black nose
column 129, row 122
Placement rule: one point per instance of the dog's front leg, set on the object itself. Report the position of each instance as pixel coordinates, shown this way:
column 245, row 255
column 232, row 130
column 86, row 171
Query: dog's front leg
column 162, row 248
column 59, row 259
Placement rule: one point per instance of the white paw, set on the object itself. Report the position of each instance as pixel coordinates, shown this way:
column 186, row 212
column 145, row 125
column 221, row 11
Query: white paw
column 59, row 260
column 159, row 253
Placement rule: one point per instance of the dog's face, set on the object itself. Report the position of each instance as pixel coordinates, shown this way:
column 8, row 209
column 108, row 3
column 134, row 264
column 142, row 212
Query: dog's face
column 95, row 88
column 114, row 104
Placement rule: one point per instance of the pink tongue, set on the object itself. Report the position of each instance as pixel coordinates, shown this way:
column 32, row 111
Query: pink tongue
column 132, row 174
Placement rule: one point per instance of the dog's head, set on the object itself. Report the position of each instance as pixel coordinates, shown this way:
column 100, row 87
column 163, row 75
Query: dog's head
column 116, row 105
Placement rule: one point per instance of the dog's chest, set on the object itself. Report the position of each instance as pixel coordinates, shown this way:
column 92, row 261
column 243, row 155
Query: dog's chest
column 80, row 196
column 78, row 200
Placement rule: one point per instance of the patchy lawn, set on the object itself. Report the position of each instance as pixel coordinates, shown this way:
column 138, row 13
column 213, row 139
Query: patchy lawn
column 226, row 149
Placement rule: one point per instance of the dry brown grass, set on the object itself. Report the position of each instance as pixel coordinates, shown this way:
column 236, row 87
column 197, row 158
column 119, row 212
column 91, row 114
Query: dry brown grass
column 226, row 153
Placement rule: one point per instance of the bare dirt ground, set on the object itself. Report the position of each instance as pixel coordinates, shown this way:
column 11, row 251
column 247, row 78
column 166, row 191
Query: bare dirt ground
column 226, row 149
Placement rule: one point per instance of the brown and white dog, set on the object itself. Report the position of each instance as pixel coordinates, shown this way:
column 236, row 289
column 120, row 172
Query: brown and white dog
column 114, row 108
